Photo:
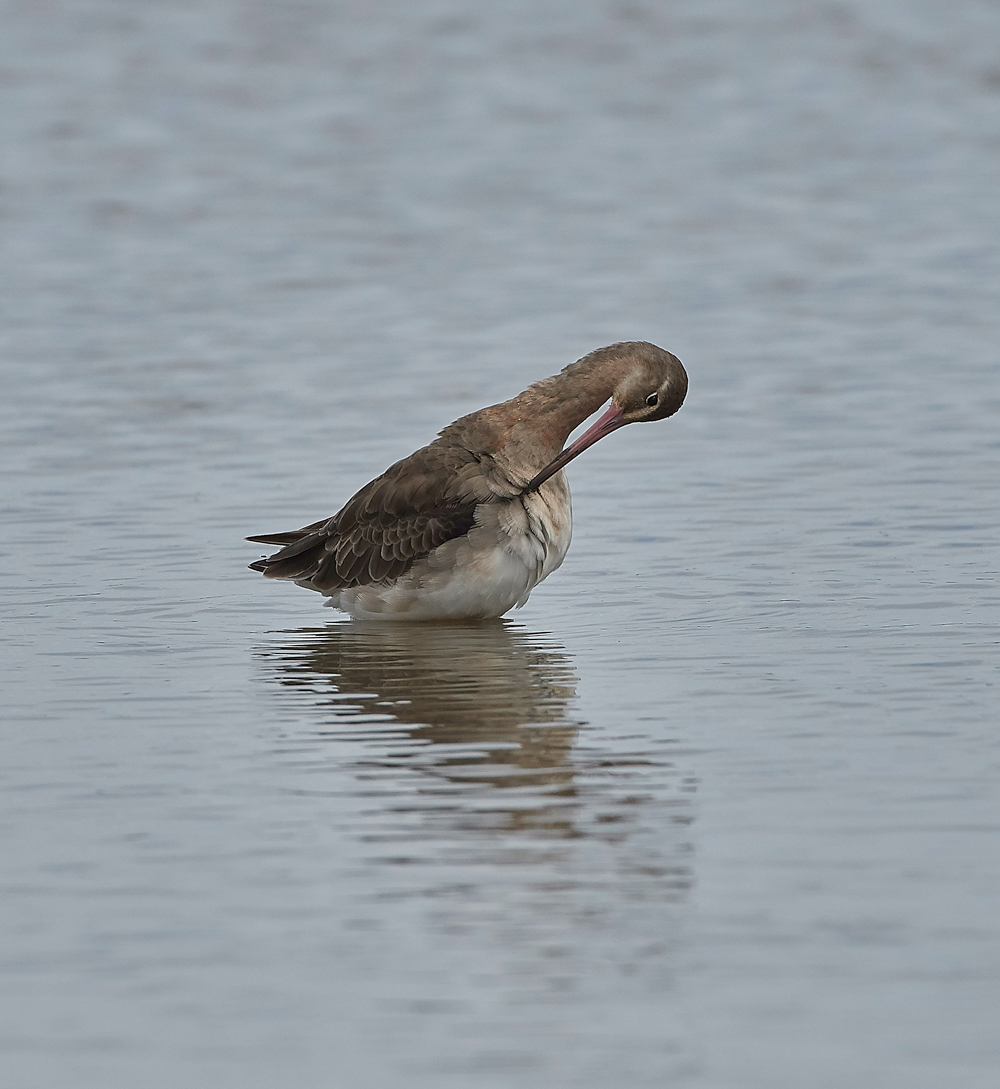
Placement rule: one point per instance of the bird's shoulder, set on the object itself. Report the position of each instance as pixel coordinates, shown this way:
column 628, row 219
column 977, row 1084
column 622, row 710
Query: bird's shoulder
column 444, row 475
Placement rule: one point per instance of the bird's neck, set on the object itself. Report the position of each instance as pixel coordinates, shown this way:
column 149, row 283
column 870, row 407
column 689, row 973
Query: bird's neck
column 532, row 428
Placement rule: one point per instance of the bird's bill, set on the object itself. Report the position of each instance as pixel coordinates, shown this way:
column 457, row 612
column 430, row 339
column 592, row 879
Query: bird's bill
column 610, row 421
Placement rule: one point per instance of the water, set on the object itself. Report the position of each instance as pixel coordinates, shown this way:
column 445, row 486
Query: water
column 719, row 807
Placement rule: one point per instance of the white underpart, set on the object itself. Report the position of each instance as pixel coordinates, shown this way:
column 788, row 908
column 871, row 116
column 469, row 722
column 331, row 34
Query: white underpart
column 493, row 568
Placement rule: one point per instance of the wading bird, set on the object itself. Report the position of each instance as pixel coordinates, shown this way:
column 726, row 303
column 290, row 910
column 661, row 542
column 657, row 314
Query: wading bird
column 469, row 525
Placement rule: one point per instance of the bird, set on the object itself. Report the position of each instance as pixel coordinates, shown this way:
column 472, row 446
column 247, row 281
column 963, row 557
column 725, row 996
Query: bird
column 466, row 527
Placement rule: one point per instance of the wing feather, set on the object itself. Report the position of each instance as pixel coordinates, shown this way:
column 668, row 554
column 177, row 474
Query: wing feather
column 396, row 519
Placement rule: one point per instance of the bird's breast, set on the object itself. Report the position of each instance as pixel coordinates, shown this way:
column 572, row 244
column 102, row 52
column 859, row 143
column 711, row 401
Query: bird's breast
column 538, row 528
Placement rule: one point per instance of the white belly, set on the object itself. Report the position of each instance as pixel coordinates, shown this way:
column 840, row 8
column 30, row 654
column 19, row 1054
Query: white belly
column 492, row 569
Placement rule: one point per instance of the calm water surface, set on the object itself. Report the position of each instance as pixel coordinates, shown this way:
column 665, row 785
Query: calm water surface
column 719, row 808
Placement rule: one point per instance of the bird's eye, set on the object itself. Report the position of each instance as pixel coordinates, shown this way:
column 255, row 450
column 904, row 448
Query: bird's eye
column 652, row 399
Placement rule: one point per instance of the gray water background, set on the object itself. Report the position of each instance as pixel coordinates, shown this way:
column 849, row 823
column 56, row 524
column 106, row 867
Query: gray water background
column 719, row 807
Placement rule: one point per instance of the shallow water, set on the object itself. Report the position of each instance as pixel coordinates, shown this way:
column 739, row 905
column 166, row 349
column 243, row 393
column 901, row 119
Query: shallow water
column 719, row 807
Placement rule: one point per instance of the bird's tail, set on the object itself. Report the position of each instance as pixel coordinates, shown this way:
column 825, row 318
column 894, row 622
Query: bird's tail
column 298, row 545
column 288, row 538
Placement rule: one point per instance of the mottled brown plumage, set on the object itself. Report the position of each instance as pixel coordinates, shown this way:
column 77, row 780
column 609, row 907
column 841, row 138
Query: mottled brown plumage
column 491, row 480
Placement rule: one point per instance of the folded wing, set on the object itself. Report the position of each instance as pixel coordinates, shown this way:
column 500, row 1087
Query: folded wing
column 413, row 507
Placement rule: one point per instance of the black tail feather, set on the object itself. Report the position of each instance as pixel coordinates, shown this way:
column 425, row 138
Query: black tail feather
column 278, row 538
column 298, row 558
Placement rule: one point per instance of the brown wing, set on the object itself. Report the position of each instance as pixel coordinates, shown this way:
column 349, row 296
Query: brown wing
column 413, row 507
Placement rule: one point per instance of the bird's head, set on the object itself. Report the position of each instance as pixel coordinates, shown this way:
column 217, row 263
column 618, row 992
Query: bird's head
column 652, row 386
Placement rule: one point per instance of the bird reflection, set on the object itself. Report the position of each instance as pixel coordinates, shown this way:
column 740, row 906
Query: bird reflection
column 481, row 708
column 491, row 853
